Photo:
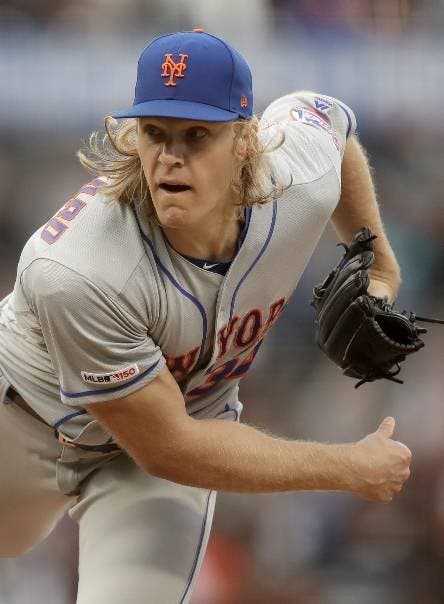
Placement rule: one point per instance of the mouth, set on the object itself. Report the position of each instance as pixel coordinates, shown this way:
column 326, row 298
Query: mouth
column 174, row 188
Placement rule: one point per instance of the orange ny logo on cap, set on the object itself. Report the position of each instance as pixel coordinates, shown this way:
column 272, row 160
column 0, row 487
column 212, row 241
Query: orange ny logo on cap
column 243, row 101
column 173, row 70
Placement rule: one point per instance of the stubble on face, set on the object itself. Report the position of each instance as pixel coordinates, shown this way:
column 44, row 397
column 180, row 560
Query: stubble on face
column 189, row 168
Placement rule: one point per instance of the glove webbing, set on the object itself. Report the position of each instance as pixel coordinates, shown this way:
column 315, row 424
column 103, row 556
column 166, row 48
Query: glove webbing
column 390, row 375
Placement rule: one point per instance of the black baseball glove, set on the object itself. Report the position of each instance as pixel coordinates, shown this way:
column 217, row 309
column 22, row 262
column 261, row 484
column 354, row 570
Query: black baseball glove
column 362, row 334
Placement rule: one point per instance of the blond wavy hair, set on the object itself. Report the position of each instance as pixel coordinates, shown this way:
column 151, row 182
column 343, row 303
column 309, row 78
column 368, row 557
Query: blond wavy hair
column 114, row 154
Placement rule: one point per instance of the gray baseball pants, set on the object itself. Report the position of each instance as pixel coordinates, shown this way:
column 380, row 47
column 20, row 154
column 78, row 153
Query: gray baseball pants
column 142, row 539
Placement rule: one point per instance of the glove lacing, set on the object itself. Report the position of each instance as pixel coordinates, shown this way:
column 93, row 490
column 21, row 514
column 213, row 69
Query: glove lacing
column 393, row 371
column 387, row 375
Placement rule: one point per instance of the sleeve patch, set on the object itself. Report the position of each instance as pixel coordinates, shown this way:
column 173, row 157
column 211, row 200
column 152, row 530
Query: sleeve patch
column 304, row 115
column 323, row 104
column 113, row 377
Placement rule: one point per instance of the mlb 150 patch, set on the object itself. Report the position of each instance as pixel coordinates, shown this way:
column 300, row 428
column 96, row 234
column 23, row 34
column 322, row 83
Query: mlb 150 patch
column 110, row 378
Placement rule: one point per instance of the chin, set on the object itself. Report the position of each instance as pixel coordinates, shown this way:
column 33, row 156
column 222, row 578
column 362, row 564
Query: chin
column 174, row 218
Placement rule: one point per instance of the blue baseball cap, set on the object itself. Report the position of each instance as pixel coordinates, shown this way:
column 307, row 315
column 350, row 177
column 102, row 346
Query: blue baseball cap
column 192, row 75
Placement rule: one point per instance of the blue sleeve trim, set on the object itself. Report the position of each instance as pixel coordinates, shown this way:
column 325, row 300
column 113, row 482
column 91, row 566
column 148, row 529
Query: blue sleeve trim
column 182, row 290
column 68, row 417
column 349, row 119
column 258, row 257
column 113, row 389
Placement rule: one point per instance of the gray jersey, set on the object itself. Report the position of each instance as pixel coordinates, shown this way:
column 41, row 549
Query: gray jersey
column 102, row 302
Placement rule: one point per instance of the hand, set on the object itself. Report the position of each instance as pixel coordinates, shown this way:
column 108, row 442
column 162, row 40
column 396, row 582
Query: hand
column 382, row 464
column 380, row 289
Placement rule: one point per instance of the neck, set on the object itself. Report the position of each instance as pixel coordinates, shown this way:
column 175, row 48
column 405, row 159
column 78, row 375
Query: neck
column 217, row 241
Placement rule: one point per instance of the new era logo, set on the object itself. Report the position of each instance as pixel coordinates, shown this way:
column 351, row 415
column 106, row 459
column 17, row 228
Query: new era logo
column 171, row 69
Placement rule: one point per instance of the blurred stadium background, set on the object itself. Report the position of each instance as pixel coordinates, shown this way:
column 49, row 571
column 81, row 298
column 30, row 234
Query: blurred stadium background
column 64, row 64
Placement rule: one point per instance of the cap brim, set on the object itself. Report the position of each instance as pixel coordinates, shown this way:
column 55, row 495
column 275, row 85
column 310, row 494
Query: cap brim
column 186, row 110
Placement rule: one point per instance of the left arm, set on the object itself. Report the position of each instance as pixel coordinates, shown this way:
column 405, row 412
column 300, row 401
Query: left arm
column 358, row 207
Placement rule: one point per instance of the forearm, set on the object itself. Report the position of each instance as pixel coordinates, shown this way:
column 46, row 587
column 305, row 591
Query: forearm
column 152, row 426
column 358, row 207
column 228, row 456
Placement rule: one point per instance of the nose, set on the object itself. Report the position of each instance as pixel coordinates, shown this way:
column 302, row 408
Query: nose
column 171, row 155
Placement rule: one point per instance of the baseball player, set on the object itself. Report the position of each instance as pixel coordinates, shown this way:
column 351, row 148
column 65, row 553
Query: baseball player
column 141, row 304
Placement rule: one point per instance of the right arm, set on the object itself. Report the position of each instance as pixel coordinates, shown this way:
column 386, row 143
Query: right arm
column 152, row 426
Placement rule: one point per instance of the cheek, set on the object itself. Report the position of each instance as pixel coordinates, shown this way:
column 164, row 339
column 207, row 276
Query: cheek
column 219, row 173
column 146, row 165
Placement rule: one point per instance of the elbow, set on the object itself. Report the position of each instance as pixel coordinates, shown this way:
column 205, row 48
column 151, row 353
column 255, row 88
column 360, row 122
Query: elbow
column 166, row 469
column 171, row 457
column 157, row 467
column 149, row 466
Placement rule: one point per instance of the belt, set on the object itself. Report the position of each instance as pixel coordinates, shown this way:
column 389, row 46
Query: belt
column 15, row 397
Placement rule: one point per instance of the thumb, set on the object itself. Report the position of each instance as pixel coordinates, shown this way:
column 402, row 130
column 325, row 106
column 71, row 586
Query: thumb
column 386, row 427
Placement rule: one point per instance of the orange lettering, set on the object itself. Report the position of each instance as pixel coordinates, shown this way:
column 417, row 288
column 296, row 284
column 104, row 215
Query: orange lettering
column 172, row 70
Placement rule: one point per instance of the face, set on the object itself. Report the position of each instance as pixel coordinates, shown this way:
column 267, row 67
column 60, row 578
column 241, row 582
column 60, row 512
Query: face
column 188, row 166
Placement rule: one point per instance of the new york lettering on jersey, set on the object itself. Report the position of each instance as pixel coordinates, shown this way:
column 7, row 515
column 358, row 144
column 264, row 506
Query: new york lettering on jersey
column 242, row 337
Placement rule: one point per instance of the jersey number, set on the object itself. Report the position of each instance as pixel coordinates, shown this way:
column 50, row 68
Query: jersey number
column 55, row 228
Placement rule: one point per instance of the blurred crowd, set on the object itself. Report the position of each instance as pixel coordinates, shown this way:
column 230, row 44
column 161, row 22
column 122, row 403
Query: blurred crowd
column 386, row 17
column 272, row 549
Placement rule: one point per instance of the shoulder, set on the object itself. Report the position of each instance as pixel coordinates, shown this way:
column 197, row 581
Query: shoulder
column 299, row 110
column 91, row 236
column 306, row 134
column 55, row 292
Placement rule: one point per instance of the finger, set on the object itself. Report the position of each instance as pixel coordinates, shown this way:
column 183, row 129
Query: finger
column 406, row 475
column 387, row 427
column 406, row 453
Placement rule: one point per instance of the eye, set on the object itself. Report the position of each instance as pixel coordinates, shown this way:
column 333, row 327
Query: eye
column 152, row 131
column 196, row 133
